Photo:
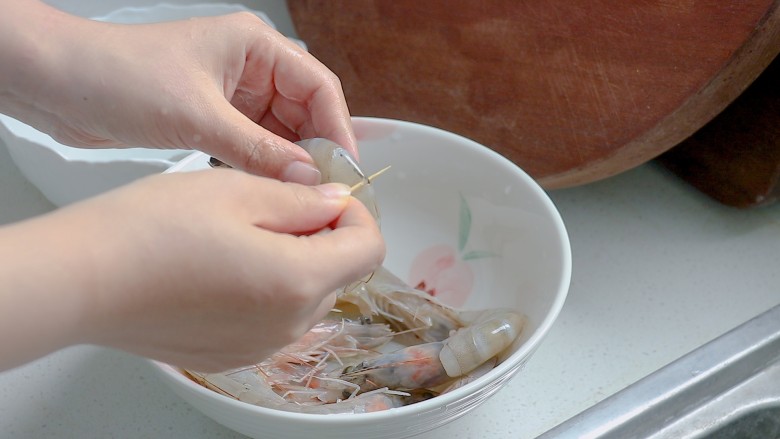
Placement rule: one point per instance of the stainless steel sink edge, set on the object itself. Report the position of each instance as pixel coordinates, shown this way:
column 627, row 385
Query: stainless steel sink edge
column 674, row 401
column 760, row 391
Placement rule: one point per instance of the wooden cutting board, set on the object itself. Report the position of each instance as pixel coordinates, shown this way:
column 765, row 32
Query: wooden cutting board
column 571, row 90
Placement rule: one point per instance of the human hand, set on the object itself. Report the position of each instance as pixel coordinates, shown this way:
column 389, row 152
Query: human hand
column 230, row 86
column 207, row 270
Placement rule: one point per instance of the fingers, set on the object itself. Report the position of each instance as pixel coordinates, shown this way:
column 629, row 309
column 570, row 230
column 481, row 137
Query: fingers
column 313, row 108
column 352, row 249
column 290, row 93
column 334, row 258
column 356, row 242
column 322, row 234
column 290, row 208
column 243, row 144
column 309, row 97
column 278, row 94
column 328, row 122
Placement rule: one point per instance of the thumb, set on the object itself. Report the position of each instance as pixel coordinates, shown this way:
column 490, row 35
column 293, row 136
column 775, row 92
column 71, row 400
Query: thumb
column 296, row 209
column 245, row 145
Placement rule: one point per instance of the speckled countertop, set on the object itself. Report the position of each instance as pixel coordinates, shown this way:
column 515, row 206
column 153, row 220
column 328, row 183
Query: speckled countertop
column 658, row 270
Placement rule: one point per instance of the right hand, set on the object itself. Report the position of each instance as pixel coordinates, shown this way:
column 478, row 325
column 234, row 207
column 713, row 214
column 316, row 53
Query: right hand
column 206, row 270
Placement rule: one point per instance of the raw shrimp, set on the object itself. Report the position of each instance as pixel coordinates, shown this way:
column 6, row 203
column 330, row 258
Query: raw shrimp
column 432, row 364
column 306, row 372
column 330, row 367
column 406, row 309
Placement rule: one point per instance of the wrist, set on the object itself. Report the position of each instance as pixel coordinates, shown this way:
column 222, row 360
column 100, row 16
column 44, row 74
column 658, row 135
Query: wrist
column 34, row 38
column 44, row 295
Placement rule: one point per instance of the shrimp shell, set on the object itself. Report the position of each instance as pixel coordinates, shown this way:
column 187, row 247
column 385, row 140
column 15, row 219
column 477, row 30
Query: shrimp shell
column 255, row 390
column 406, row 309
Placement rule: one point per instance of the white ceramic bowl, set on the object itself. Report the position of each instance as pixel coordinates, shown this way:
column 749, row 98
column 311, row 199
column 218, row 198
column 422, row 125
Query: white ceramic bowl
column 65, row 174
column 513, row 242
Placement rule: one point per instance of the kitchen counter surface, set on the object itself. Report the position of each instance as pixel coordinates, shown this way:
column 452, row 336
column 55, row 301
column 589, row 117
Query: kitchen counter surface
column 658, row 270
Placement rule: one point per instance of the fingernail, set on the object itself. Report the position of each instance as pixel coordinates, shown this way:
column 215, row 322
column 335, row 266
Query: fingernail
column 334, row 190
column 301, row 172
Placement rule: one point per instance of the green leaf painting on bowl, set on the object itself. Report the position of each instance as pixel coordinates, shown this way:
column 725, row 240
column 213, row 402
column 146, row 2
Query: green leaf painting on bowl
column 443, row 271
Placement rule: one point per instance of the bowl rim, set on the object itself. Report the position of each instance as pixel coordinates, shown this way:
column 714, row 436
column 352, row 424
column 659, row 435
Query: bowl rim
column 224, row 8
column 12, row 130
column 507, row 368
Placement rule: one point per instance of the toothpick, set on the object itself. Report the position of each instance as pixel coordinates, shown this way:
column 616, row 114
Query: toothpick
column 368, row 180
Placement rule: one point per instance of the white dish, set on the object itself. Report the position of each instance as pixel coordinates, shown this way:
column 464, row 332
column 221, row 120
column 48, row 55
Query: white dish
column 446, row 200
column 65, row 175
column 169, row 12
